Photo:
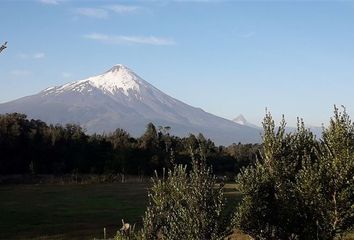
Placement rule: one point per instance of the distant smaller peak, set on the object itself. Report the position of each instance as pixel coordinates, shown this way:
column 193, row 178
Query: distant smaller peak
column 240, row 118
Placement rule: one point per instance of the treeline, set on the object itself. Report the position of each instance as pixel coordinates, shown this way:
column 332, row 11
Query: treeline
column 30, row 146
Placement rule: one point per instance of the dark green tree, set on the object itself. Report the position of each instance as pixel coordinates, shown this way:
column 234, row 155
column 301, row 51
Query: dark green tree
column 149, row 140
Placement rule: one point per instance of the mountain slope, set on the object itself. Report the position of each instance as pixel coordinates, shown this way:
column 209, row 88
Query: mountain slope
column 119, row 98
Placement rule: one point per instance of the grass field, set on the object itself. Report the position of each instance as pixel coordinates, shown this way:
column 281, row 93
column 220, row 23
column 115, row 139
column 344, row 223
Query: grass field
column 68, row 211
column 56, row 212
column 74, row 211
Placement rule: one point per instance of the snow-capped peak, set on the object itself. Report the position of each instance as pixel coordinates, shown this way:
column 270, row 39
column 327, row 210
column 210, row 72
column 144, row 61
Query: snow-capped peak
column 118, row 78
column 240, row 119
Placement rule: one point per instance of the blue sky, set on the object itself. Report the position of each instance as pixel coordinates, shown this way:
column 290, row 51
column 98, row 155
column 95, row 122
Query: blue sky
column 227, row 57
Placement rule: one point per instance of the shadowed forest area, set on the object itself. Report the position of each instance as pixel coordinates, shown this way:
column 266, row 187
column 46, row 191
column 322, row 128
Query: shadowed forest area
column 33, row 147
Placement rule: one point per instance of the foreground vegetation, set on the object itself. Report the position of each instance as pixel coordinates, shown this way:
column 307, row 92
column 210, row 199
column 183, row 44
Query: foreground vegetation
column 298, row 188
column 301, row 188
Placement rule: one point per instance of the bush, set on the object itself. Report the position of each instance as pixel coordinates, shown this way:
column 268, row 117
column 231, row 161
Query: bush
column 300, row 188
column 184, row 205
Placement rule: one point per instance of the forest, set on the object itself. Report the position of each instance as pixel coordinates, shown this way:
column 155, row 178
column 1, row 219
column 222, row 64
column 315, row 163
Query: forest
column 29, row 146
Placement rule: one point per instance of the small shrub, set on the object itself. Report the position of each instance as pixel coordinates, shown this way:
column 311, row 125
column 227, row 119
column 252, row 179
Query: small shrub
column 184, row 205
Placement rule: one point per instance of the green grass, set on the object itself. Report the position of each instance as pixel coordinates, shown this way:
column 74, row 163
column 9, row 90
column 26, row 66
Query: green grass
column 233, row 198
column 75, row 211
column 56, row 212
column 79, row 211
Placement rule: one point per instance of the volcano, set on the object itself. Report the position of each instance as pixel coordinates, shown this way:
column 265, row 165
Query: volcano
column 119, row 98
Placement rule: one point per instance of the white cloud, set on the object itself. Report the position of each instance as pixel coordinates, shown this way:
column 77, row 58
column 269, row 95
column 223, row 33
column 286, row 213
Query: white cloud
column 248, row 34
column 121, row 9
column 38, row 55
column 66, row 75
column 121, row 39
column 92, row 12
column 20, row 73
column 104, row 11
column 49, row 2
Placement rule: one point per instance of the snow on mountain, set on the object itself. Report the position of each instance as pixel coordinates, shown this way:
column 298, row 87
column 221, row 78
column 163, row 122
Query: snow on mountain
column 119, row 98
column 118, row 79
column 240, row 119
